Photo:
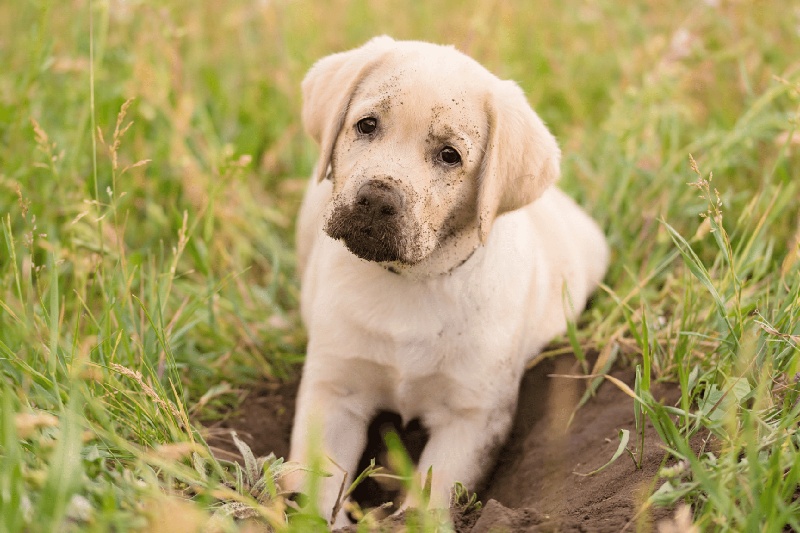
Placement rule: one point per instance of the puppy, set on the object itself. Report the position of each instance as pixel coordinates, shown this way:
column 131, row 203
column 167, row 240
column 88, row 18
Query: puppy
column 437, row 258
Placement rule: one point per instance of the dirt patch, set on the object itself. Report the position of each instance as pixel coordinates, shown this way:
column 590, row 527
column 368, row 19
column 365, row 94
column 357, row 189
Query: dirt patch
column 537, row 468
column 263, row 421
column 534, row 486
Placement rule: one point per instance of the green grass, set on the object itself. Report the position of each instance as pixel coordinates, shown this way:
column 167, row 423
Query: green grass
column 151, row 163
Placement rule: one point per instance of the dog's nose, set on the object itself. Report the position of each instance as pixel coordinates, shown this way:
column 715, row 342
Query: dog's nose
column 379, row 199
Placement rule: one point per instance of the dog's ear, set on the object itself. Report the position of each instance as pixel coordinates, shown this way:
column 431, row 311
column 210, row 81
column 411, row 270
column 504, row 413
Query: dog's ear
column 327, row 89
column 522, row 157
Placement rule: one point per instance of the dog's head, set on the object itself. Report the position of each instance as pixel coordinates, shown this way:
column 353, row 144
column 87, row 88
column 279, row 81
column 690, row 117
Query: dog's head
column 423, row 145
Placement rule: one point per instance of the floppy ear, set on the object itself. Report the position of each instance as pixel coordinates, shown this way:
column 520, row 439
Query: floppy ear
column 327, row 89
column 522, row 157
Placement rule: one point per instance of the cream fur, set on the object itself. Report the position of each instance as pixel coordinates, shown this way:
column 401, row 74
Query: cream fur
column 443, row 335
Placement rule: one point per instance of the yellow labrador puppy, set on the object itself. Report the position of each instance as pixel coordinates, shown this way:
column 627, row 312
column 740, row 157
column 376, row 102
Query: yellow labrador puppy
column 434, row 252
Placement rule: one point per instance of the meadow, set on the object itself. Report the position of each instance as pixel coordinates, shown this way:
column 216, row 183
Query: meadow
column 152, row 162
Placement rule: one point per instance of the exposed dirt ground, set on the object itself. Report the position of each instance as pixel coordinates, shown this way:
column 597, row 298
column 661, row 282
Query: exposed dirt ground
column 534, row 486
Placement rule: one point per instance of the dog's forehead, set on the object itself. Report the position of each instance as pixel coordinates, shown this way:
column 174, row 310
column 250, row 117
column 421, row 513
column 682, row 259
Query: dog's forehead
column 435, row 78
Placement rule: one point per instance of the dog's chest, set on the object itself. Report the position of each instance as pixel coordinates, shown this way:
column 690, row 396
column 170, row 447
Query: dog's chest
column 359, row 310
column 414, row 326
column 433, row 347
column 422, row 396
column 418, row 347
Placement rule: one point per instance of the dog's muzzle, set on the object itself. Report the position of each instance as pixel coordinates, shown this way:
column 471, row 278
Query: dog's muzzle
column 371, row 227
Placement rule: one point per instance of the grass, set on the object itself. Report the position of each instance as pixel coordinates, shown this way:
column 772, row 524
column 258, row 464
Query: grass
column 151, row 163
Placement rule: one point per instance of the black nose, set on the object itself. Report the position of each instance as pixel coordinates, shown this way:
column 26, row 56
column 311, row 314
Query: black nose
column 379, row 200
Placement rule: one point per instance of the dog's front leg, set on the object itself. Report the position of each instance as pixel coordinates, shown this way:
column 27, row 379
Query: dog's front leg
column 462, row 447
column 339, row 418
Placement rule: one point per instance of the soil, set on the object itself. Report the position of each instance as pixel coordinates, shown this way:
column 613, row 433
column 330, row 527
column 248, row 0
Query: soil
column 536, row 485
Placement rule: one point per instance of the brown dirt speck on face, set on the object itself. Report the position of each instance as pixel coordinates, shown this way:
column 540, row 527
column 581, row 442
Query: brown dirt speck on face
column 534, row 487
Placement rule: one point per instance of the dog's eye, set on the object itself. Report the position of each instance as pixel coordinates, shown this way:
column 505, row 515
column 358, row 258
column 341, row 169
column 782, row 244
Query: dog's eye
column 449, row 156
column 365, row 126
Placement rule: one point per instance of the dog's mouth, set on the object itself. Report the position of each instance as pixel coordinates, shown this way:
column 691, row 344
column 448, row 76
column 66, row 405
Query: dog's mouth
column 365, row 237
column 366, row 246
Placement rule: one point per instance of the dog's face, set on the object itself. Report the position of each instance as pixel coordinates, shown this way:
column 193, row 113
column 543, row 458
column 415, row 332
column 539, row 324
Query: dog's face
column 424, row 146
column 406, row 162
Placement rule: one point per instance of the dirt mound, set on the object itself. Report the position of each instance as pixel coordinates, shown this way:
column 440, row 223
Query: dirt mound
column 535, row 486
column 538, row 467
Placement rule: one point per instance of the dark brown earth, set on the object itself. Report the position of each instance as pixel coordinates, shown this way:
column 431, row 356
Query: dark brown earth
column 535, row 487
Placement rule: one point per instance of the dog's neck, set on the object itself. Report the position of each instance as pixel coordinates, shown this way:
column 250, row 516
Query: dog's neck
column 445, row 259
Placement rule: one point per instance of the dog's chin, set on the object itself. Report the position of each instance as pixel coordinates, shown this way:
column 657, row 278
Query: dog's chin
column 372, row 249
column 371, row 240
column 379, row 245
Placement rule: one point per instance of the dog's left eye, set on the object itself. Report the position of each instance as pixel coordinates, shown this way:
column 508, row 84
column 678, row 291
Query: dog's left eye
column 449, row 156
column 366, row 126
